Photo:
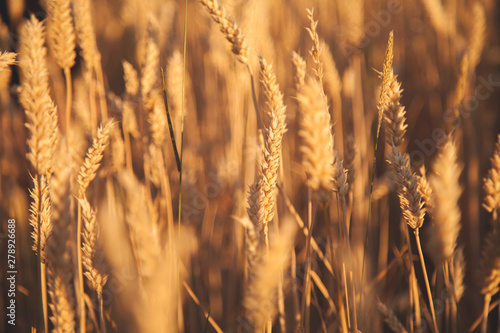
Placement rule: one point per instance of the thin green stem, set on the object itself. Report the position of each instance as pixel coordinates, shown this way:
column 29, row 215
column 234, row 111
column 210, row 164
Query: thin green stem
column 170, row 126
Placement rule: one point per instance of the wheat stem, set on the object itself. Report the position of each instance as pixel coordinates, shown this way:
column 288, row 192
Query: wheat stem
column 69, row 97
column 426, row 279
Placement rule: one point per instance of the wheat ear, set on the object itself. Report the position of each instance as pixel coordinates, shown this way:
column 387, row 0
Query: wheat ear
column 317, row 141
column 35, row 97
column 42, row 124
column 229, row 28
column 41, row 221
column 142, row 225
column 273, row 139
column 86, row 39
column 174, row 85
column 446, row 213
column 394, row 113
column 87, row 173
column 7, row 59
column 259, row 299
column 93, row 256
column 62, row 298
column 390, row 318
column 491, row 183
column 299, row 71
column 61, row 38
column 438, row 17
column 316, row 47
column 489, row 272
column 94, row 156
column 60, row 268
column 129, row 124
column 413, row 210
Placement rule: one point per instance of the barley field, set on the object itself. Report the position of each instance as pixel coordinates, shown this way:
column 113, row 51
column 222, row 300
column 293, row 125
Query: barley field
column 250, row 166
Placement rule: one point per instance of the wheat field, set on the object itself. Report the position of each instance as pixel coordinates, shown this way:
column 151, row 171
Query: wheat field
column 250, row 166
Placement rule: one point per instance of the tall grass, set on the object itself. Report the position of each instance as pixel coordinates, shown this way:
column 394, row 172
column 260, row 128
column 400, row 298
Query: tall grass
column 251, row 166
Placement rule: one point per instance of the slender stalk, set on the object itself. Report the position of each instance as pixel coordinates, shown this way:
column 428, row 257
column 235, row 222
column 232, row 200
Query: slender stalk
column 426, row 280
column 43, row 278
column 69, row 98
column 254, row 98
column 484, row 324
column 306, row 301
column 81, row 290
column 101, row 310
column 102, row 94
column 128, row 150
